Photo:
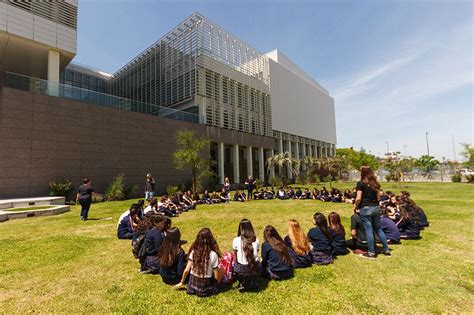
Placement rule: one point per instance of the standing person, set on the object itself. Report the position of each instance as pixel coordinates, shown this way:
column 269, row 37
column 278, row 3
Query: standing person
column 84, row 197
column 227, row 184
column 367, row 201
column 250, row 182
column 149, row 187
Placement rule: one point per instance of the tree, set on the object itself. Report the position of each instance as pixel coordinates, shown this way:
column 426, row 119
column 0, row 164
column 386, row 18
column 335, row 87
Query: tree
column 280, row 162
column 426, row 164
column 468, row 154
column 189, row 156
column 356, row 159
column 333, row 166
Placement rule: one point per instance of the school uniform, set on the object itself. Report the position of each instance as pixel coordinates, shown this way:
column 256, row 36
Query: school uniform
column 299, row 261
column 243, row 273
column 390, row 229
column 359, row 242
column 408, row 229
column 85, row 199
column 204, row 284
column 153, row 240
column 338, row 244
column 322, row 250
column 172, row 274
column 124, row 228
column 272, row 264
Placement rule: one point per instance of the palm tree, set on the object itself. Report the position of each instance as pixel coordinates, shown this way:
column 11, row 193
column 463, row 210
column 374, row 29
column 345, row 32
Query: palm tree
column 282, row 160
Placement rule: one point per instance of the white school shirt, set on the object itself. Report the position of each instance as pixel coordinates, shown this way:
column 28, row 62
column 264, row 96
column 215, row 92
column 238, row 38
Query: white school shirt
column 123, row 215
column 213, row 264
column 238, row 246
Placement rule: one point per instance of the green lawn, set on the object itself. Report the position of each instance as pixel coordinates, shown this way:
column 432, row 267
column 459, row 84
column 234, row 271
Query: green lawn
column 60, row 264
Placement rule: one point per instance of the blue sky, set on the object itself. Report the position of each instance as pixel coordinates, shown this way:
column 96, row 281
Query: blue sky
column 396, row 69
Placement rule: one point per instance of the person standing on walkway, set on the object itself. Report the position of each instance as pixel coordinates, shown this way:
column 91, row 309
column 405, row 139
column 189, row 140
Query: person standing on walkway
column 367, row 201
column 149, row 187
column 84, row 197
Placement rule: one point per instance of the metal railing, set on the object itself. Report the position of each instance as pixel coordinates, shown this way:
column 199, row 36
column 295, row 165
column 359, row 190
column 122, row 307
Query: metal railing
column 44, row 87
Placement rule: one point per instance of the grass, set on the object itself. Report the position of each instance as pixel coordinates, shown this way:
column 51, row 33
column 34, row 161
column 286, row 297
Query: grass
column 60, row 264
column 30, row 208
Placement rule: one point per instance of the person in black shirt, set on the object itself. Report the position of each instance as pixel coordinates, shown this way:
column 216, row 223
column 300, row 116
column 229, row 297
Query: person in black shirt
column 84, row 197
column 358, row 240
column 276, row 259
column 250, row 182
column 149, row 187
column 171, row 257
column 367, row 201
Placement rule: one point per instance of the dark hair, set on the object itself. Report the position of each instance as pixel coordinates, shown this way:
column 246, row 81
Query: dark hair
column 155, row 219
column 201, row 248
column 276, row 242
column 170, row 248
column 140, row 203
column 247, row 236
column 86, row 180
column 154, row 201
column 322, row 223
column 133, row 211
column 336, row 225
column 164, row 224
column 368, row 177
column 144, row 225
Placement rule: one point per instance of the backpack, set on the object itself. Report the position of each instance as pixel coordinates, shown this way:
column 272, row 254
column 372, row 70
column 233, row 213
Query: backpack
column 138, row 247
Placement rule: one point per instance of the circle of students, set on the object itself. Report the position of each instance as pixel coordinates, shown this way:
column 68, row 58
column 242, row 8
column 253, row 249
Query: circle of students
column 378, row 217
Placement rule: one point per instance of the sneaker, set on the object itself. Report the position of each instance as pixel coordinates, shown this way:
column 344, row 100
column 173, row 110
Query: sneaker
column 368, row 255
column 240, row 287
column 83, row 219
column 387, row 253
column 144, row 271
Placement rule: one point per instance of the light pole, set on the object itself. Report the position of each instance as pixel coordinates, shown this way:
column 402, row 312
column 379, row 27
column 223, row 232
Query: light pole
column 388, row 148
column 442, row 169
column 405, row 149
column 427, row 145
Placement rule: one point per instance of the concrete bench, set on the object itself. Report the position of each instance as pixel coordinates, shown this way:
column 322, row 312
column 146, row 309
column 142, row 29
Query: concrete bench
column 29, row 202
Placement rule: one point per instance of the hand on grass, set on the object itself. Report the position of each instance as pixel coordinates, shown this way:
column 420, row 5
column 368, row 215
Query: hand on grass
column 178, row 286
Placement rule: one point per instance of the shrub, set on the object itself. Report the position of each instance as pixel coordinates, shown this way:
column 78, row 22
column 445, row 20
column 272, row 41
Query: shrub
column 456, row 178
column 130, row 191
column 62, row 188
column 115, row 190
column 275, row 182
column 388, row 177
column 301, row 179
column 469, row 178
column 171, row 190
column 97, row 198
column 258, row 184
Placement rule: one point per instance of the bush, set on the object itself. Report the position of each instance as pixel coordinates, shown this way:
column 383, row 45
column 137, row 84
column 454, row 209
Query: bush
column 116, row 189
column 97, row 198
column 171, row 190
column 275, row 182
column 456, row 178
column 258, row 184
column 130, row 191
column 388, row 178
column 301, row 179
column 469, row 178
column 62, row 188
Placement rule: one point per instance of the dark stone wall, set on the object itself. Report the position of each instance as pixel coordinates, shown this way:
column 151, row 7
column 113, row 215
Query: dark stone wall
column 45, row 139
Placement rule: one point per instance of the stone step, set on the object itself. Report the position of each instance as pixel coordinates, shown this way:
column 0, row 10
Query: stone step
column 29, row 202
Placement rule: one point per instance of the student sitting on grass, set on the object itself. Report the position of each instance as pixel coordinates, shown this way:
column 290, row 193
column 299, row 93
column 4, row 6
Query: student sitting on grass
column 321, row 239
column 206, row 199
column 298, row 245
column 389, row 228
column 154, row 238
column 246, row 247
column 358, row 242
column 203, row 264
column 127, row 225
column 335, row 195
column 281, row 194
column 140, row 209
column 225, row 196
column 188, row 200
column 315, row 193
column 171, row 257
column 306, row 194
column 423, row 220
column 338, row 234
column 276, row 259
column 239, row 196
column 324, row 195
column 215, row 198
column 408, row 225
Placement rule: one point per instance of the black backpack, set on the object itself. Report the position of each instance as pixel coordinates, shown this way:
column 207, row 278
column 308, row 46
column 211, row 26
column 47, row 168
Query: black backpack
column 138, row 247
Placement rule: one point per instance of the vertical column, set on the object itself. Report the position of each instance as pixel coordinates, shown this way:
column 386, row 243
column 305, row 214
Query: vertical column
column 236, row 163
column 53, row 72
column 304, row 155
column 280, row 148
column 290, row 174
column 310, row 150
column 220, row 160
column 297, row 151
column 318, row 149
column 249, row 162
column 261, row 164
column 272, row 169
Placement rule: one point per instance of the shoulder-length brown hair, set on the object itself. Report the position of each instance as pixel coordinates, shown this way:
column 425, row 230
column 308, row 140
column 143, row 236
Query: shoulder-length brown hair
column 299, row 240
column 368, row 177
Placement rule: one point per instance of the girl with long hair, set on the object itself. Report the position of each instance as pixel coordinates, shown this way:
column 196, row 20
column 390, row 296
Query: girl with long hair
column 203, row 266
column 298, row 245
column 408, row 225
column 321, row 239
column 338, row 234
column 367, row 201
column 389, row 228
column 276, row 259
column 153, row 240
column 171, row 257
column 246, row 247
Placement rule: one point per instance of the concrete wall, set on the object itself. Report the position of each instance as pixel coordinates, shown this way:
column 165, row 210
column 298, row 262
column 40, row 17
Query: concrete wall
column 300, row 106
column 45, row 139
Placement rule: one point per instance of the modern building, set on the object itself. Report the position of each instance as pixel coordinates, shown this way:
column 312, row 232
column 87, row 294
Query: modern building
column 94, row 124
